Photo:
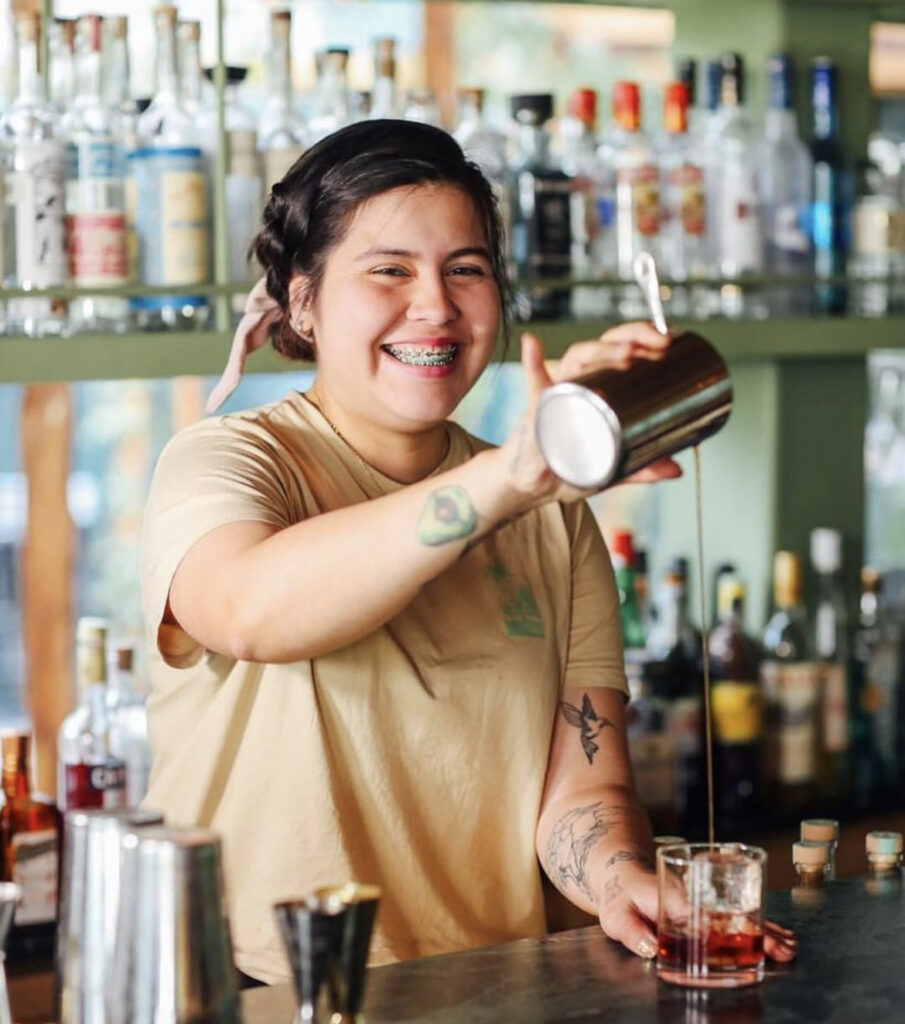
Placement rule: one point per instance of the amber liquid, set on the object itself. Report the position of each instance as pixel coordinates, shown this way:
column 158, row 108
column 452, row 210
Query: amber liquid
column 705, row 659
column 731, row 942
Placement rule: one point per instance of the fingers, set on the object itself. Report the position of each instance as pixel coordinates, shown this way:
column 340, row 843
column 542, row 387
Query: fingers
column 536, row 376
column 661, row 469
column 615, row 349
column 780, row 943
column 626, row 925
column 640, row 333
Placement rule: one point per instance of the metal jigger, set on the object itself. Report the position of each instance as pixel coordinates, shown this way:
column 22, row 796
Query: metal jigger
column 10, row 894
column 327, row 937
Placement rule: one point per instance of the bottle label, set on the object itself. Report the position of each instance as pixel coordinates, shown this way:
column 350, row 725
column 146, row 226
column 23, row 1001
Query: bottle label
column 553, row 223
column 688, row 183
column 38, row 195
column 737, row 710
column 789, row 229
column 835, row 708
column 97, row 248
column 96, row 785
column 791, row 692
column 739, row 227
column 644, row 185
column 35, row 857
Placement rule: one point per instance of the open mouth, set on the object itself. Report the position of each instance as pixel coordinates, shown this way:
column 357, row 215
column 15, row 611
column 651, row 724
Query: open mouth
column 423, row 355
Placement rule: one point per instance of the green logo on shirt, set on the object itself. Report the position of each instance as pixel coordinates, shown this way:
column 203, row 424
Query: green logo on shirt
column 521, row 616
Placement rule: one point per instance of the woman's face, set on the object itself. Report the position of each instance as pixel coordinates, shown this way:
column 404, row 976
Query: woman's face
column 406, row 315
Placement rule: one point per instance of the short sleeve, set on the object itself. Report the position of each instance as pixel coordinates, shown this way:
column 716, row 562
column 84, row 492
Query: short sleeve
column 213, row 473
column 595, row 655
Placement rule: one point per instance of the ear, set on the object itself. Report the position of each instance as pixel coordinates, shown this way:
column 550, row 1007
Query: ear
column 300, row 304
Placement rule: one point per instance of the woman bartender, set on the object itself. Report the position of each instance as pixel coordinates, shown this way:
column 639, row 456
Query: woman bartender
column 381, row 649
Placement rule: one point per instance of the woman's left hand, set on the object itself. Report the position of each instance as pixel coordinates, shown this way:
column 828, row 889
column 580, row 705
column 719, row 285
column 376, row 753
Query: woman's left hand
column 627, row 908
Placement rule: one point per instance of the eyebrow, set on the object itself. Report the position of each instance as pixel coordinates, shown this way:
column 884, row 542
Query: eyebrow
column 469, row 250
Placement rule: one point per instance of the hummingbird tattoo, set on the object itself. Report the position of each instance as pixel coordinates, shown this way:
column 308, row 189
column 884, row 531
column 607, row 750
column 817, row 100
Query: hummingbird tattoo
column 589, row 722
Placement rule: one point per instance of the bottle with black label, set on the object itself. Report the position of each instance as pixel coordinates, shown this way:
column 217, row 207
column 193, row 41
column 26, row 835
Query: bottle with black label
column 540, row 198
column 89, row 775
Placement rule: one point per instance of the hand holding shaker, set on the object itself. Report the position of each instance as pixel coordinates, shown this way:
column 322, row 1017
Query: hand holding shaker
column 605, row 425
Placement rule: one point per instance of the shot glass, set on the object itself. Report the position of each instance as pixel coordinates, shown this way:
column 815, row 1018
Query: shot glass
column 710, row 927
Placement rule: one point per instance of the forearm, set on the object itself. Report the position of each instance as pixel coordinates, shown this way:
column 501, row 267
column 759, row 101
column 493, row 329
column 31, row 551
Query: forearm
column 324, row 583
column 582, row 837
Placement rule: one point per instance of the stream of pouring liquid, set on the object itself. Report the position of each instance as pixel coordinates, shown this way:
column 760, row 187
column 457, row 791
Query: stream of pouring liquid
column 705, row 660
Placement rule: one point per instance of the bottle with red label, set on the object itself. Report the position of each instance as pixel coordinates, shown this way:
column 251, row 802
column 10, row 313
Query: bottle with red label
column 685, row 244
column 89, row 775
column 30, row 832
column 639, row 214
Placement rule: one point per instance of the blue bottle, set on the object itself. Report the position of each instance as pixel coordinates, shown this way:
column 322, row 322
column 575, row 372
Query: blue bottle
column 829, row 211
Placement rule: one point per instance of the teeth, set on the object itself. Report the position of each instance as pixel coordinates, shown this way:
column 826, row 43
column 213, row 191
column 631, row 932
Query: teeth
column 435, row 355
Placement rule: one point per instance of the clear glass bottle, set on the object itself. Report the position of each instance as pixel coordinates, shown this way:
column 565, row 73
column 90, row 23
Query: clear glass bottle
column 831, row 649
column 384, row 101
column 540, row 213
column 791, row 685
column 811, row 862
column 421, row 106
column 480, row 142
column 128, row 722
column 89, row 775
column 592, row 204
column 30, row 835
column 328, row 107
column 34, row 192
column 196, row 97
column 639, row 212
column 61, row 53
column 281, row 134
column 95, row 192
column 168, row 173
column 685, row 243
column 884, row 852
column 823, row 830
column 786, row 184
column 739, row 220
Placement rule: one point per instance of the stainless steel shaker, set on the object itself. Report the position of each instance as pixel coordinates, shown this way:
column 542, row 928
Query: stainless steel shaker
column 603, row 426
column 89, row 905
column 174, row 959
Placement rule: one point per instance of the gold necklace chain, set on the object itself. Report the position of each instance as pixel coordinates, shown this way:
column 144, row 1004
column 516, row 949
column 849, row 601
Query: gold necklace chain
column 348, row 444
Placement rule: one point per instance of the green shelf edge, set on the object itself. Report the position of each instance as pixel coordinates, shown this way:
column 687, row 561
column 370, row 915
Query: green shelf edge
column 203, row 353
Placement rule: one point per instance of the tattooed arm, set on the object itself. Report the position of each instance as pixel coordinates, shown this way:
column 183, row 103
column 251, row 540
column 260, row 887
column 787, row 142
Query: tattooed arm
column 593, row 836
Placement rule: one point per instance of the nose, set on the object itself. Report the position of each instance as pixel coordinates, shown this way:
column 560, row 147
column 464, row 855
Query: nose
column 431, row 300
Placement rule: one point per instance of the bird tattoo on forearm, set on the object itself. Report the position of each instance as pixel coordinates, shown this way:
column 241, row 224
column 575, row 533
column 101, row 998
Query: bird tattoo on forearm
column 588, row 721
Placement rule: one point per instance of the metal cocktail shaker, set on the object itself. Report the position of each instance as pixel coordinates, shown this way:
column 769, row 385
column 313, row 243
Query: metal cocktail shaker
column 607, row 424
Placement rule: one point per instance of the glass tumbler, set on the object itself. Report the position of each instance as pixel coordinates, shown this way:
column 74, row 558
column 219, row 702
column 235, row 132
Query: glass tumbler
column 710, row 927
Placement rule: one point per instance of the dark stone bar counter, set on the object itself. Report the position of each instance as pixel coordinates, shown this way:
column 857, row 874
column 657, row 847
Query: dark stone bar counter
column 850, row 968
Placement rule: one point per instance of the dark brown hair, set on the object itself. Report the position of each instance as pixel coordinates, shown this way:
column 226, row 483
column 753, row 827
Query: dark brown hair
column 309, row 210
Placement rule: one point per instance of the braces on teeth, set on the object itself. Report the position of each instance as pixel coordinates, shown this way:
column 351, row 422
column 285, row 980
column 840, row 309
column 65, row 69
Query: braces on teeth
column 422, row 357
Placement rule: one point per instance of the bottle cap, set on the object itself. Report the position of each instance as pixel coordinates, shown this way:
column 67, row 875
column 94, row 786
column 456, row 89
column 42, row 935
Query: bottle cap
column 165, row 13
column 583, row 105
column 117, row 25
column 826, row 549
column 532, row 108
column 623, row 547
column 15, row 745
column 885, row 844
column 687, row 74
column 820, row 830
column 627, row 105
column 385, row 57
column 123, row 657
column 870, row 579
column 189, row 30
column 786, row 579
column 91, row 630
column 729, row 591
column 810, row 853
column 471, row 94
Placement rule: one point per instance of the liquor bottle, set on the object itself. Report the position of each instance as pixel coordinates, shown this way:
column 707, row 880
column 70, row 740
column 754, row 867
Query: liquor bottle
column 687, row 74
column 421, row 106
column 128, row 723
column 592, row 205
column 674, row 654
column 790, row 680
column 540, row 212
column 786, row 184
column 34, row 192
column 384, row 101
column 737, row 710
column 823, row 830
column 638, row 204
column 95, row 192
column 30, row 834
column 685, row 242
column 281, row 134
column 829, row 214
column 811, row 861
column 875, row 249
column 191, row 78
column 61, row 54
column 89, row 774
column 479, row 141
column 651, row 745
column 168, row 173
column 831, row 648
column 329, row 101
column 739, row 227
column 623, row 555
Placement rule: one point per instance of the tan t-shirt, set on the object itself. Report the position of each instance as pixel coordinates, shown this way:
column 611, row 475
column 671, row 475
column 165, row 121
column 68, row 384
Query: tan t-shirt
column 414, row 758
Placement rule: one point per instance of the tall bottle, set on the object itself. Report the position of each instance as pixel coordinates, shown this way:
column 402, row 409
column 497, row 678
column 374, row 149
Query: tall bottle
column 479, row 141
column 89, row 774
column 281, row 135
column 737, row 710
column 30, row 837
column 831, row 648
column 168, row 173
column 791, row 690
column 639, row 214
column 95, row 191
column 540, row 212
column 739, row 228
column 34, row 193
column 592, row 205
column 685, row 242
column 829, row 215
column 786, row 182
column 634, row 634
column 329, row 101
column 128, row 723
column 61, row 53
column 384, row 101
